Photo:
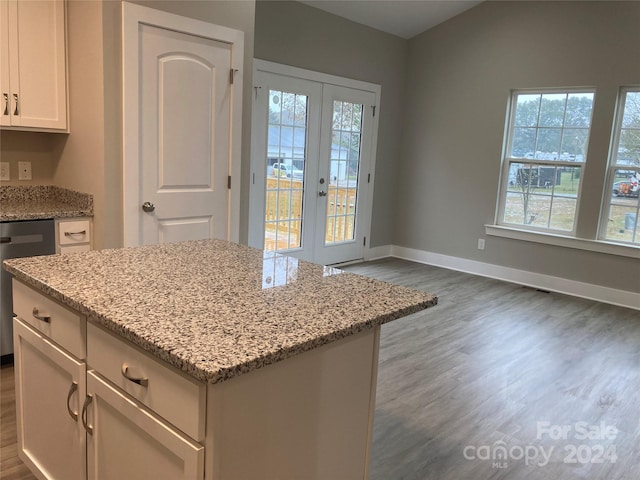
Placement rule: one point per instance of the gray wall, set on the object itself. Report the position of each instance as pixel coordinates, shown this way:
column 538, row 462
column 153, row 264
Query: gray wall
column 459, row 79
column 295, row 34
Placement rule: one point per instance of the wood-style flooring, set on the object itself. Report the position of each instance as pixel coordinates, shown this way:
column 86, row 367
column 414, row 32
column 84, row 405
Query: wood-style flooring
column 493, row 366
column 488, row 366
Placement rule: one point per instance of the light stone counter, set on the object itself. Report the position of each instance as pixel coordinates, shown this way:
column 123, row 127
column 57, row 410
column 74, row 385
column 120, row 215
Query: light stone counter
column 40, row 202
column 216, row 309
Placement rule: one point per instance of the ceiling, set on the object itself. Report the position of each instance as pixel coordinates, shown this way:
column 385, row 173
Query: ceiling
column 404, row 18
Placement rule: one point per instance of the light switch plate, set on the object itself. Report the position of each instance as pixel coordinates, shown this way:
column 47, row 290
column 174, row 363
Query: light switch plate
column 24, row 170
column 5, row 172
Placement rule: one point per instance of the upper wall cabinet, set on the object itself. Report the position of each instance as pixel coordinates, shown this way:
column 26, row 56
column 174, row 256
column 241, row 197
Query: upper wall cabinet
column 33, row 70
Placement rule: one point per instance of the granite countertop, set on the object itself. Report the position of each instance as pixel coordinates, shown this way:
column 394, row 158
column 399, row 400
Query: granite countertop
column 216, row 309
column 40, row 202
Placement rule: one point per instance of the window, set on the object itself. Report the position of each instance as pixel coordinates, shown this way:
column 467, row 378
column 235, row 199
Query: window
column 547, row 138
column 620, row 219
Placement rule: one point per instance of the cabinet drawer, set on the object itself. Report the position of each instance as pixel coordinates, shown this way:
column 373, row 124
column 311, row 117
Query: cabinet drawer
column 77, row 231
column 65, row 327
column 174, row 396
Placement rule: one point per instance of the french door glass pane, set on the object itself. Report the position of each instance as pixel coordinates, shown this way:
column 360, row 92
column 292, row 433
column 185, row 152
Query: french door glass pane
column 285, row 166
column 346, row 135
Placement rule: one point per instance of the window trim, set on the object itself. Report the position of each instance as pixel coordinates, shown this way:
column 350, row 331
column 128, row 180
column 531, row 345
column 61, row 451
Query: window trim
column 507, row 161
column 599, row 246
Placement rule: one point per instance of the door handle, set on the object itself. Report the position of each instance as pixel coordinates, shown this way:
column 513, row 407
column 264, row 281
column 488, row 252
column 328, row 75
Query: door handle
column 322, row 193
column 148, row 207
column 15, row 98
column 6, row 103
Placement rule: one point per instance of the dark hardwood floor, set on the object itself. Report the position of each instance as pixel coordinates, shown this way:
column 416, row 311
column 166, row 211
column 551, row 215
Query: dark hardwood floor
column 494, row 365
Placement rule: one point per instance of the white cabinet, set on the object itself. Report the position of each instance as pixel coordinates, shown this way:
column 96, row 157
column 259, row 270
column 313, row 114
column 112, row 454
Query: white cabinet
column 50, row 389
column 127, row 441
column 73, row 235
column 33, row 78
column 130, row 417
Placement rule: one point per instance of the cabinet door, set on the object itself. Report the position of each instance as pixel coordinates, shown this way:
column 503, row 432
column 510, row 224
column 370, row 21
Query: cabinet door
column 5, row 117
column 50, row 387
column 127, row 441
column 37, row 64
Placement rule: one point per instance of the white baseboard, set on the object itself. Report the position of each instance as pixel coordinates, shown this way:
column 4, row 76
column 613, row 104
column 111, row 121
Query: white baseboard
column 590, row 291
column 376, row 253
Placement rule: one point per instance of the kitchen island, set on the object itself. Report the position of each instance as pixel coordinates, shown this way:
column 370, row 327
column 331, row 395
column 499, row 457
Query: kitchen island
column 241, row 363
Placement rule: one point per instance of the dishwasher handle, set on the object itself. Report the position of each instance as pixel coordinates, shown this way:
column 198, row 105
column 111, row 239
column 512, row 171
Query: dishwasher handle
column 22, row 239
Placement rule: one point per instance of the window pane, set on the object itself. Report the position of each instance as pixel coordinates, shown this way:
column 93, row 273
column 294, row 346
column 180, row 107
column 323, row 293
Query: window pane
column 538, row 210
column 579, row 108
column 527, row 110
column 524, row 141
column 548, row 143
column 286, row 148
column 622, row 224
column 574, row 144
column 552, row 110
column 563, row 213
column 631, row 117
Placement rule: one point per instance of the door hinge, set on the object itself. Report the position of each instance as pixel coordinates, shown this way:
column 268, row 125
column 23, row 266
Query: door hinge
column 229, row 182
column 232, row 74
column 364, row 242
column 374, row 110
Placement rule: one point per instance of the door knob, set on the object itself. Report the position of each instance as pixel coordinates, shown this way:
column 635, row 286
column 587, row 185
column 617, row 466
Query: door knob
column 322, row 193
column 148, row 207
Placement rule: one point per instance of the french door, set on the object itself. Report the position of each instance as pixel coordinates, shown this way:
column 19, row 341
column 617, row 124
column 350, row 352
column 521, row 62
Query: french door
column 312, row 164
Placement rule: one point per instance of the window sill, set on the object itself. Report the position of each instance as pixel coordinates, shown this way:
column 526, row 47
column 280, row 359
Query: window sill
column 600, row 246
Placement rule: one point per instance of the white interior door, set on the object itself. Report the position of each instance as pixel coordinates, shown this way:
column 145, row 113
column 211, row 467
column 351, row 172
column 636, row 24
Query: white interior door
column 312, row 164
column 184, row 141
column 181, row 128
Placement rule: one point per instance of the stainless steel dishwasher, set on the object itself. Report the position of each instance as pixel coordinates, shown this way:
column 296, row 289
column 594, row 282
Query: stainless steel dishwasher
column 19, row 239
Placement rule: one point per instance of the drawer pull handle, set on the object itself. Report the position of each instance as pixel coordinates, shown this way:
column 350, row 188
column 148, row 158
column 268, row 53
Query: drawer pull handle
column 43, row 318
column 71, row 234
column 86, row 426
column 72, row 389
column 139, row 381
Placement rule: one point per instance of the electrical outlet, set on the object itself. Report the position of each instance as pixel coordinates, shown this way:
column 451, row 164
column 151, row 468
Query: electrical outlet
column 481, row 244
column 5, row 173
column 24, row 170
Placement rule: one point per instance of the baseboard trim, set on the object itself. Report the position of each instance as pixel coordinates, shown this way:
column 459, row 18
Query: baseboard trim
column 376, row 253
column 589, row 291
